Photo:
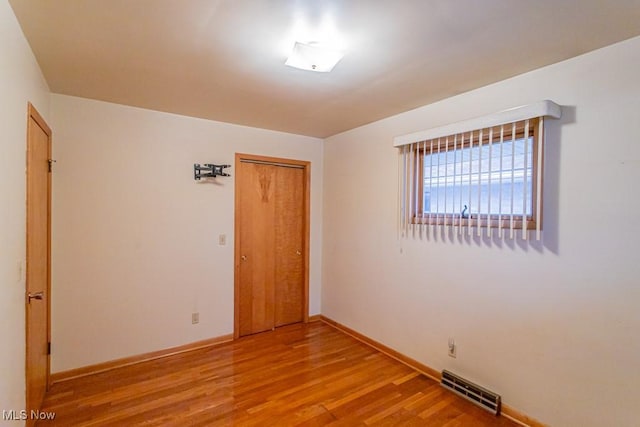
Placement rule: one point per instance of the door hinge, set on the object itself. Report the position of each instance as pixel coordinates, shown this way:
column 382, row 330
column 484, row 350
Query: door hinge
column 48, row 348
column 51, row 162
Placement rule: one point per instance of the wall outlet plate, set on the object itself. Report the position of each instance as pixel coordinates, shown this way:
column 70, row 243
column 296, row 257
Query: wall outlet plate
column 195, row 318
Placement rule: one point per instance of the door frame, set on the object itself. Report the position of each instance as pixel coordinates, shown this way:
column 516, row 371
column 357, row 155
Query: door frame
column 306, row 166
column 32, row 113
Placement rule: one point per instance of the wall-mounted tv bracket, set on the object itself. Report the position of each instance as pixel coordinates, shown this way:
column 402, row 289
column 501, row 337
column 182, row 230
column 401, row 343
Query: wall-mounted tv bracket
column 208, row 171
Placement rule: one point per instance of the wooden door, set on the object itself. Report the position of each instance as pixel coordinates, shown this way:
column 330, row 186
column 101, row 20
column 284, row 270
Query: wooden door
column 256, row 216
column 271, row 243
column 37, row 298
column 288, row 242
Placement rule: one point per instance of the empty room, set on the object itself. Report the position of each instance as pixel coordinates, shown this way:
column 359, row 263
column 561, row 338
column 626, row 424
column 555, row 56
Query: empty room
column 319, row 212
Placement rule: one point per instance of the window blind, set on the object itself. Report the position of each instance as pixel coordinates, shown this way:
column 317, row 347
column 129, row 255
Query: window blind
column 483, row 173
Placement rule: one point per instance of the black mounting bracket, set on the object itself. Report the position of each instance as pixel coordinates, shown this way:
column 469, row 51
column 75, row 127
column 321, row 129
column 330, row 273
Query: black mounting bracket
column 208, row 171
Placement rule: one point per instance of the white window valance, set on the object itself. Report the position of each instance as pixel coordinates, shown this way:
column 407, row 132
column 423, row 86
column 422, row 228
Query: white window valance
column 477, row 174
column 544, row 108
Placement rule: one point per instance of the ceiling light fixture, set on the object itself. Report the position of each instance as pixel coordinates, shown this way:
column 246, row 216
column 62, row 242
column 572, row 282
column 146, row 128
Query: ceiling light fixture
column 314, row 56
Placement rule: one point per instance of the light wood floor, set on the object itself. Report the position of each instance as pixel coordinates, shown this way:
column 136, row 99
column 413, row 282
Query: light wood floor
column 311, row 375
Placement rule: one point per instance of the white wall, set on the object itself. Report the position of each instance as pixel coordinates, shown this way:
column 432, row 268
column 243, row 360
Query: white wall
column 135, row 238
column 20, row 82
column 552, row 326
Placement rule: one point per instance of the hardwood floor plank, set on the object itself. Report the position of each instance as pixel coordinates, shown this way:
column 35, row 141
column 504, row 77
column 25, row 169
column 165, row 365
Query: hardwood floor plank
column 298, row 375
column 390, row 410
column 406, row 378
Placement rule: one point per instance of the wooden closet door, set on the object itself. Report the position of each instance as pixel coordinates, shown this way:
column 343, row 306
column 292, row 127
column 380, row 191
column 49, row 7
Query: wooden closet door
column 271, row 240
column 256, row 187
column 289, row 241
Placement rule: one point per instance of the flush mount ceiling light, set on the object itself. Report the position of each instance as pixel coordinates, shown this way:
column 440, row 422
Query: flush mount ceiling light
column 314, row 56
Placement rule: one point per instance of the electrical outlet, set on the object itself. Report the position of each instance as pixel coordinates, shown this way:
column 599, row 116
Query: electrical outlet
column 452, row 348
column 222, row 240
column 195, row 318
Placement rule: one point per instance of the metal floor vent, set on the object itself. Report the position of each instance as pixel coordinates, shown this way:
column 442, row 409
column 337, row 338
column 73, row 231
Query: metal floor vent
column 480, row 396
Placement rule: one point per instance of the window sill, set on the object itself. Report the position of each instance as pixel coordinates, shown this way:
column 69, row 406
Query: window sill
column 504, row 223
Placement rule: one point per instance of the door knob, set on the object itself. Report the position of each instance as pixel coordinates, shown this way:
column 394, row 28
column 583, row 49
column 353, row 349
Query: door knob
column 298, row 253
column 244, row 257
column 37, row 295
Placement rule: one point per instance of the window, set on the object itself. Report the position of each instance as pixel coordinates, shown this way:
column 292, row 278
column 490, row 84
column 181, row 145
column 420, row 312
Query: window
column 488, row 182
column 487, row 177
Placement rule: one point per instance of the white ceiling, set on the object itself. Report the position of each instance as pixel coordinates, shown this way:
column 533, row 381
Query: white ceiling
column 224, row 59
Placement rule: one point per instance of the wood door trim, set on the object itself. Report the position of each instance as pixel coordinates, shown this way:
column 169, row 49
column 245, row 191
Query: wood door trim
column 32, row 113
column 306, row 165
